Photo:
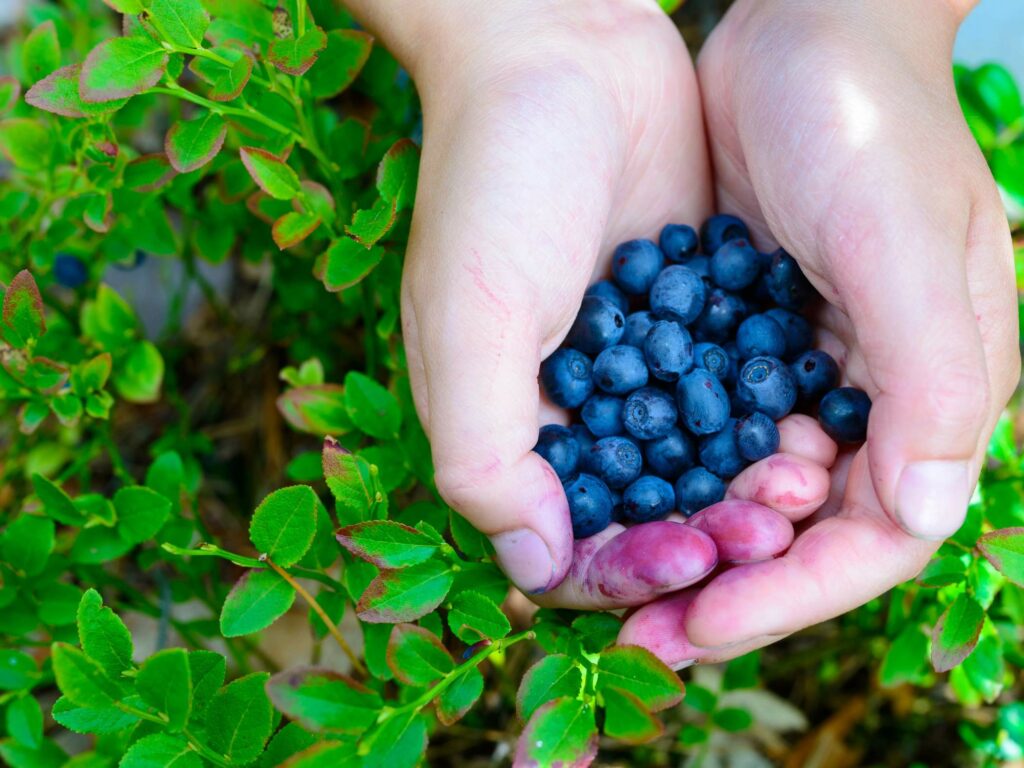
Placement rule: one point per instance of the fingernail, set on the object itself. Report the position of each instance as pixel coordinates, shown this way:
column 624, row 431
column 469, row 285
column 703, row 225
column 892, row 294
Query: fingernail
column 683, row 664
column 932, row 498
column 526, row 559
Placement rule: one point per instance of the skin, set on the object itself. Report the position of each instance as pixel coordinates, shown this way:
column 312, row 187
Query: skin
column 554, row 131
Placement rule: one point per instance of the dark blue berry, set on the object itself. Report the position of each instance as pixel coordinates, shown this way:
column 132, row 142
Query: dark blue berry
column 603, row 414
column 757, row 436
column 649, row 413
column 615, row 460
column 678, row 242
column 584, row 437
column 606, row 289
column 715, row 360
column 568, row 377
column 697, row 489
column 767, row 385
column 735, row 265
column 668, row 350
column 703, row 403
column 785, row 282
column 760, row 335
column 136, row 261
column 843, row 414
column 637, row 326
column 701, row 264
column 590, row 505
column 70, row 271
column 620, row 369
column 720, row 452
column 671, row 455
column 558, row 446
column 598, row 325
column 648, row 498
column 799, row 334
column 678, row 294
column 636, row 264
column 723, row 312
column 815, row 373
column 721, row 228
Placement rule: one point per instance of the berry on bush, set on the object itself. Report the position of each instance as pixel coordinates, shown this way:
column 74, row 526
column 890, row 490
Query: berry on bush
column 70, row 271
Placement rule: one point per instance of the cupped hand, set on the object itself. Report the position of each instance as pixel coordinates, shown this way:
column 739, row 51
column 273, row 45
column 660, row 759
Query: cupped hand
column 835, row 130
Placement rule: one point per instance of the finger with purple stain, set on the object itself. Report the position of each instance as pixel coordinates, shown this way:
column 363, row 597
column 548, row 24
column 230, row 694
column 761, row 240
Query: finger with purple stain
column 744, row 531
column 791, row 485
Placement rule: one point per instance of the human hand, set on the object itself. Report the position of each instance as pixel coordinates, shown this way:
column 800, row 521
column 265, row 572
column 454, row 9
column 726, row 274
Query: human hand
column 835, row 130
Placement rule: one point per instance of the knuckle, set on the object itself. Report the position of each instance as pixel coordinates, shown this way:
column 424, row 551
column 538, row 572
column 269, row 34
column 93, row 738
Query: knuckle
column 466, row 482
column 959, row 396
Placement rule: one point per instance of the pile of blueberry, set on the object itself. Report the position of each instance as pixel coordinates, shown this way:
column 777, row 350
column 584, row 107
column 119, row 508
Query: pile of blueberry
column 677, row 370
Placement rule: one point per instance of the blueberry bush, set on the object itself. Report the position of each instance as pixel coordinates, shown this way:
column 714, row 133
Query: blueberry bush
column 220, row 542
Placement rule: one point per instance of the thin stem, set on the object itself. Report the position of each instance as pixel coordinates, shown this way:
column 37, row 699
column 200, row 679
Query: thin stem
column 114, row 453
column 328, row 622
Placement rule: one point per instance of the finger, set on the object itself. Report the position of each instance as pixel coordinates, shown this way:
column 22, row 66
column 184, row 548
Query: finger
column 791, row 485
column 622, row 567
column 744, row 532
column 801, row 435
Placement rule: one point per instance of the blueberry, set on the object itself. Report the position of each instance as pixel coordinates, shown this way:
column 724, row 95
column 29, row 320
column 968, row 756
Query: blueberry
column 799, row 334
column 678, row 294
column 70, row 271
column 558, row 447
column 678, row 242
column 815, row 373
column 590, row 505
column 637, row 326
column 568, row 377
column 615, row 460
column 620, row 369
column 697, row 489
column 599, row 324
column 757, row 436
column 603, row 414
column 671, row 455
column 715, row 360
column 584, row 437
column 723, row 312
column 720, row 452
column 843, row 414
column 703, row 403
column 721, row 228
column 701, row 264
column 636, row 264
column 136, row 261
column 735, row 265
column 785, row 282
column 668, row 350
column 760, row 335
column 648, row 498
column 606, row 289
column 649, row 413
column 765, row 384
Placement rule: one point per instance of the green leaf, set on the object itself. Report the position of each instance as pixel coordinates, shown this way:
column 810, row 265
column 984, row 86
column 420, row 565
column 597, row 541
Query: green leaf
column 995, row 88
column 284, row 524
column 120, row 68
column 457, row 699
column 700, row 698
column 943, row 571
column 627, row 719
column 1007, row 163
column 370, row 225
column 26, row 143
column 126, row 6
column 81, row 679
column 339, row 63
column 99, row 720
column 294, row 227
column 40, row 51
column 56, row 503
column 165, row 683
column 670, row 6
column 57, row 603
column 387, row 544
column 956, row 632
column 181, row 22
column 193, row 143
column 67, row 408
column 473, row 617
column 273, row 175
column 371, row 407
column 597, row 630
column 23, row 319
column 258, row 599
column 732, row 719
column 26, row 544
column 319, row 410
column 406, row 594
column 396, row 176
column 140, row 513
column 49, row 755
column 240, row 718
column 416, row 656
column 206, row 670
column 287, row 742
column 226, row 82
column 345, row 263
column 18, row 670
column 24, row 721
column 104, row 637
column 325, row 754
column 1005, row 550
column 160, row 750
column 638, row 670
column 985, row 667
column 552, row 677
column 351, row 481
column 562, row 732
column 139, row 377
column 323, row 700
column 58, row 93
column 293, row 56
column 10, row 91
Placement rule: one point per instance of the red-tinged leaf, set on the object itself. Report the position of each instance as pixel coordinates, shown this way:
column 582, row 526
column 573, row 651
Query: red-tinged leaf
column 99, row 213
column 148, row 173
column 351, row 481
column 319, row 410
column 58, row 93
column 23, row 311
column 226, row 82
column 322, row 700
column 416, row 657
column 340, row 62
column 264, row 207
column 405, row 594
column 10, row 90
column 1005, row 550
column 295, row 57
column 956, row 632
column 292, row 228
column 40, row 51
column 346, row 262
column 384, row 543
column 562, row 733
column 120, row 68
column 125, row 6
column 192, row 144
column 552, row 677
column 636, row 669
column 396, row 175
column 273, row 175
column 457, row 699
column 370, row 225
column 319, row 198
column 627, row 719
